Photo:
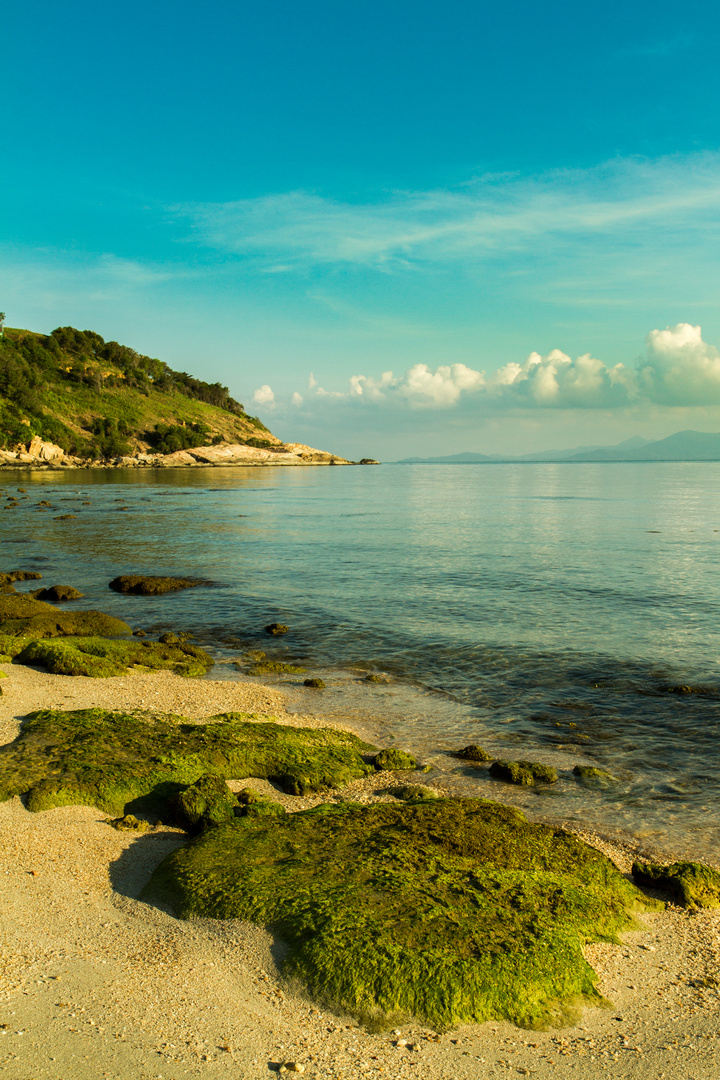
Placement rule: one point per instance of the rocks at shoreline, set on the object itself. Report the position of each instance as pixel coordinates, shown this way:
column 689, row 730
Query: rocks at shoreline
column 40, row 454
column 151, row 585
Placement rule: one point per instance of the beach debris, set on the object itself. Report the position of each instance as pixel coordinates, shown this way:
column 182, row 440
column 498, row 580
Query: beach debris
column 523, row 773
column 473, row 753
column 393, row 760
column 447, row 910
column 691, row 884
column 151, row 585
column 276, row 628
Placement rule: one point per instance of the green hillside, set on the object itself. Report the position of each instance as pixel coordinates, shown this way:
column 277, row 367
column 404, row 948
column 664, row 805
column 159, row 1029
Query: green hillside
column 96, row 398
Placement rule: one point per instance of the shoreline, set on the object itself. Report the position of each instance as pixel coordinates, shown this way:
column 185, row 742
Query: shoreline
column 101, row 984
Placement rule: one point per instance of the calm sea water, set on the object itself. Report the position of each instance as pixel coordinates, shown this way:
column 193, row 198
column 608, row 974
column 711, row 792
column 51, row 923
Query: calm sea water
column 550, row 612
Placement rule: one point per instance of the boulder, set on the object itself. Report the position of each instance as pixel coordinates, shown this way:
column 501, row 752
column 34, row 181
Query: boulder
column 45, row 451
column 523, row 773
column 394, row 759
column 57, row 593
column 150, row 585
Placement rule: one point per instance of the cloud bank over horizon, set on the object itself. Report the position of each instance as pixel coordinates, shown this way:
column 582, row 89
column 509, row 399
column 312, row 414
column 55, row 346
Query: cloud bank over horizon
column 678, row 369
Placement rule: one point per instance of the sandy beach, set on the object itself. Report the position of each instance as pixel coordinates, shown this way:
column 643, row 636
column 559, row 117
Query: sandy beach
column 95, row 983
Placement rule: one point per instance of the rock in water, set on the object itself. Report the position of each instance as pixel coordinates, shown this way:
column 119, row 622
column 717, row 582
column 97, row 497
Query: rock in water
column 523, row 773
column 149, row 585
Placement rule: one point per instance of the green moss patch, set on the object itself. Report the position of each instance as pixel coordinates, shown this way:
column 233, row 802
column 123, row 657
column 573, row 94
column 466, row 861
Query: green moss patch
column 24, row 616
column 691, row 884
column 209, row 801
column 274, row 667
column 412, row 792
column 523, row 773
column 449, row 911
column 102, row 659
column 112, row 759
column 473, row 753
column 591, row 776
column 129, row 823
column 393, row 760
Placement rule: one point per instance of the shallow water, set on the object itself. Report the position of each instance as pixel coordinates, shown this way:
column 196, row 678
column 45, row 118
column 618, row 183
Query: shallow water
column 549, row 611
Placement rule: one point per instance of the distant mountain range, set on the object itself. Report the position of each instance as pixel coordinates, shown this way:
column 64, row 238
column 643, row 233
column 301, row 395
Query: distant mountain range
column 682, row 446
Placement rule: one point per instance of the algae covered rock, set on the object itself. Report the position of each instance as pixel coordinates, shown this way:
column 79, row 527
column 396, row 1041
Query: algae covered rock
column 129, row 823
column 523, row 773
column 151, row 585
column 276, row 628
column 58, row 593
column 591, row 776
column 111, row 759
column 24, row 616
column 275, row 667
column 209, row 801
column 473, row 753
column 692, row 885
column 101, row 659
column 315, row 684
column 412, row 792
column 392, row 760
column 448, row 911
column 6, row 580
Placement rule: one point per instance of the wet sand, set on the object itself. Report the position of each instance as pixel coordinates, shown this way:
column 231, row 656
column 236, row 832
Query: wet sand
column 94, row 983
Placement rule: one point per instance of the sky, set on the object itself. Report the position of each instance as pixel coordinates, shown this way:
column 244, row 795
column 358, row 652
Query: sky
column 392, row 229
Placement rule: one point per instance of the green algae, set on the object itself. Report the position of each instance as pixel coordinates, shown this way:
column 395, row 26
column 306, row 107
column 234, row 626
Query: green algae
column 393, row 760
column 101, row 659
column 314, row 684
column 523, row 773
column 129, row 823
column 447, row 911
column 206, row 802
column 412, row 792
column 692, row 885
column 473, row 753
column 591, row 776
column 24, row 616
column 275, row 667
column 125, row 763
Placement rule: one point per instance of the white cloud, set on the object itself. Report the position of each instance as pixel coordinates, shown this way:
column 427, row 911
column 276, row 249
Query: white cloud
column 680, row 368
column 296, row 399
column 491, row 217
column 264, row 396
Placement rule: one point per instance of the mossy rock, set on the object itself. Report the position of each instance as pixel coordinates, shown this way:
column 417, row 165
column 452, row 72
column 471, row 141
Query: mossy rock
column 412, row 792
column 124, row 763
column 150, row 585
column 6, row 580
column 447, row 911
column 377, row 679
column 274, row 667
column 24, row 616
column 209, row 801
column 101, row 659
column 392, row 760
column 58, row 593
column 129, row 823
column 169, row 638
column 473, row 753
column 523, row 773
column 315, row 684
column 591, row 776
column 691, row 884
column 276, row 628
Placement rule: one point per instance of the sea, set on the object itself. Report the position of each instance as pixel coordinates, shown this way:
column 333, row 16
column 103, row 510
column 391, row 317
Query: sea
column 567, row 613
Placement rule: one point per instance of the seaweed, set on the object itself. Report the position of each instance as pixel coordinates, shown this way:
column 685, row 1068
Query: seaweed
column 691, row 884
column 112, row 759
column 447, row 911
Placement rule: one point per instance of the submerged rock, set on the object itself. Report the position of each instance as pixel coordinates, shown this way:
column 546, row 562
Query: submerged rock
column 591, row 776
column 394, row 759
column 473, row 753
column 447, row 910
column 149, row 585
column 275, row 667
column 58, row 593
column 523, row 773
column 276, row 628
column 316, row 684
column 692, row 885
column 110, row 759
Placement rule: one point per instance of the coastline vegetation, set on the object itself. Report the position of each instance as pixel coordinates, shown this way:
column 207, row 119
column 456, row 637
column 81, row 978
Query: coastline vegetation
column 100, row 399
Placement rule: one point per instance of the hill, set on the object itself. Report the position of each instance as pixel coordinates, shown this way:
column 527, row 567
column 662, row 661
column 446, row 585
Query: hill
column 682, row 446
column 99, row 399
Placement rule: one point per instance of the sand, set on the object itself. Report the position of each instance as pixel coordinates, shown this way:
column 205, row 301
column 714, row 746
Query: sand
column 94, row 983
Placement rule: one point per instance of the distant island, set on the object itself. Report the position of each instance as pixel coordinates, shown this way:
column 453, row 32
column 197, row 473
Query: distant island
column 70, row 398
column 682, row 446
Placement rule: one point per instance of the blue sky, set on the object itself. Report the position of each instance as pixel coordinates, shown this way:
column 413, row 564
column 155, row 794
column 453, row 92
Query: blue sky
column 389, row 228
